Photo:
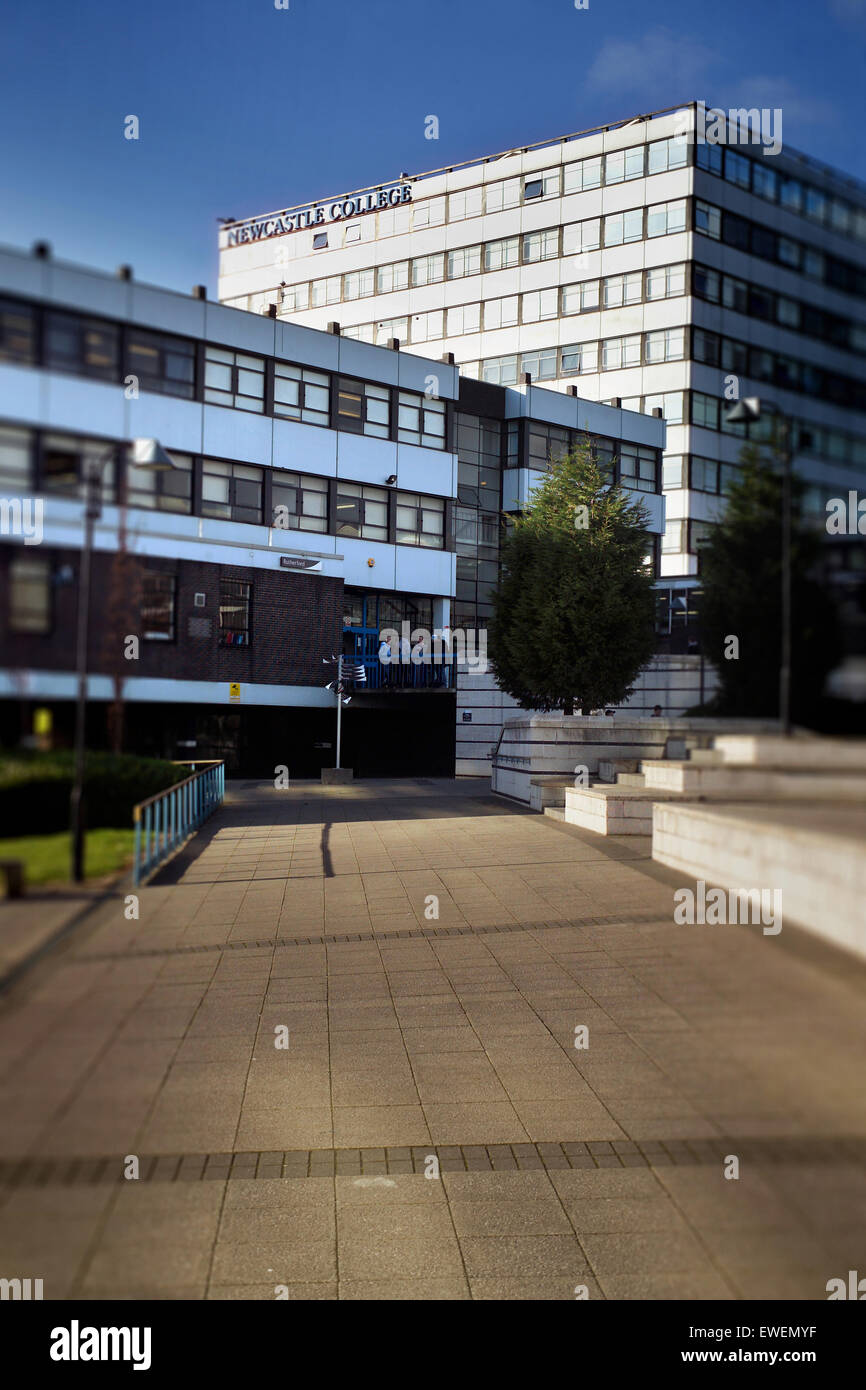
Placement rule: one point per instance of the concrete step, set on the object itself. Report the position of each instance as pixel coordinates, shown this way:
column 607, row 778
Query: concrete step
column 609, row 768
column 748, row 779
column 548, row 789
column 796, row 753
column 817, row 867
column 705, row 755
column 555, row 812
column 631, row 779
column 614, row 810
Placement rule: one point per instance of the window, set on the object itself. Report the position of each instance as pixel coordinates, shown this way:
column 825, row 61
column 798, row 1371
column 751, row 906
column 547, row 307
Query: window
column 704, row 475
column 788, row 252
column 624, row 164
column 706, row 347
column 840, row 216
column 672, row 472
column 708, row 220
column 705, row 410
column 234, row 379
column 667, row 154
column 583, row 174
column 231, row 491
column 761, row 304
column 735, row 356
column 363, row 408
column 735, row 294
column 709, row 157
column 421, row 419
column 738, row 169
column 29, row 594
column 699, row 532
column 17, row 332
column 665, row 345
column 161, row 363
column 164, row 491
column 622, row 289
column 638, row 467
column 235, row 604
column 158, row 607
column 579, row 237
column 763, row 243
column 505, row 194
column 816, row 205
column 392, row 277
column 621, row 352
column 540, row 364
column 672, row 540
column 665, row 218
column 429, row 213
column 467, row 203
column 548, row 444
column 765, row 181
column 420, row 520
column 86, row 346
column 15, row 454
column 427, row 270
column 299, row 502
column 791, row 194
column 708, row 284
column 813, row 263
column 425, row 327
column 358, row 284
column 502, row 370
column 670, row 403
column 362, row 511
column 320, row 241
column 501, row 313
column 540, row 304
column 464, row 261
column 579, row 357
column 325, row 291
column 541, row 246
column 542, row 185
column 577, row 299
column 65, row 458
column 351, row 233
column 665, row 281
column 385, row 329
column 294, row 297
column 463, row 318
column 300, row 394
column 359, row 332
column 623, row 226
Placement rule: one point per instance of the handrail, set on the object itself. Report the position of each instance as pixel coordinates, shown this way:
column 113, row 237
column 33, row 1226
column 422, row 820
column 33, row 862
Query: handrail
column 165, row 821
column 178, row 762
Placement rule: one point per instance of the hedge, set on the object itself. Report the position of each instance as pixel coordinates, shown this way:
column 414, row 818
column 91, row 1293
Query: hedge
column 35, row 789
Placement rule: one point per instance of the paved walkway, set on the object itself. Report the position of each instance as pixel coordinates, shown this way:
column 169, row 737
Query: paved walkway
column 416, row 1039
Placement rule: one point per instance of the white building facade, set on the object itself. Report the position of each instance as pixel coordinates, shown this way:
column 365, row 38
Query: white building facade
column 641, row 264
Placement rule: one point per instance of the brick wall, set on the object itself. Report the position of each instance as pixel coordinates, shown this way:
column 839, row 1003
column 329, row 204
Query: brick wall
column 296, row 620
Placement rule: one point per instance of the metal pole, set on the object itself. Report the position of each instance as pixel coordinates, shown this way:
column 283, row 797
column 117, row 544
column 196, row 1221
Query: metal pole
column 339, row 703
column 92, row 479
column 785, row 668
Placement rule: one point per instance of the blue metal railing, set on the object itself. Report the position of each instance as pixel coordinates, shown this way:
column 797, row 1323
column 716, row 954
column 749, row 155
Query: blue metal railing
column 164, row 821
column 411, row 676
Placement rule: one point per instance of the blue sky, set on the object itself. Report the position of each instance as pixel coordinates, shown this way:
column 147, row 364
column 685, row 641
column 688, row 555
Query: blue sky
column 244, row 108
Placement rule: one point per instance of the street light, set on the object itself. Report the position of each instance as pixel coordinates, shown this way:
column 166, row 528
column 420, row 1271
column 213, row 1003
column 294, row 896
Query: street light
column 146, row 454
column 748, row 409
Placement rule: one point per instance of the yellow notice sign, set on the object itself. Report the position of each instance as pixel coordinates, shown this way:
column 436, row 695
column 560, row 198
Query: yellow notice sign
column 235, row 690
column 42, row 721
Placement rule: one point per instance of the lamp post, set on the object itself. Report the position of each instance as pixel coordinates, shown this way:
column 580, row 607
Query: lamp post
column 147, row 454
column 751, row 408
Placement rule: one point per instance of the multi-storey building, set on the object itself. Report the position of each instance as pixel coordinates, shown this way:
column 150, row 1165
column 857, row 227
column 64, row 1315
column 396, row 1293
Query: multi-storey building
column 642, row 262
column 313, row 501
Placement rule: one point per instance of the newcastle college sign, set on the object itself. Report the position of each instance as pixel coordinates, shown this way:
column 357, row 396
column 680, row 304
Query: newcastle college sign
column 320, row 214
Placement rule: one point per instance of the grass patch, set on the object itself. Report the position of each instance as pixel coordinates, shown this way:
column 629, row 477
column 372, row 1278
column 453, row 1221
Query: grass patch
column 46, row 858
